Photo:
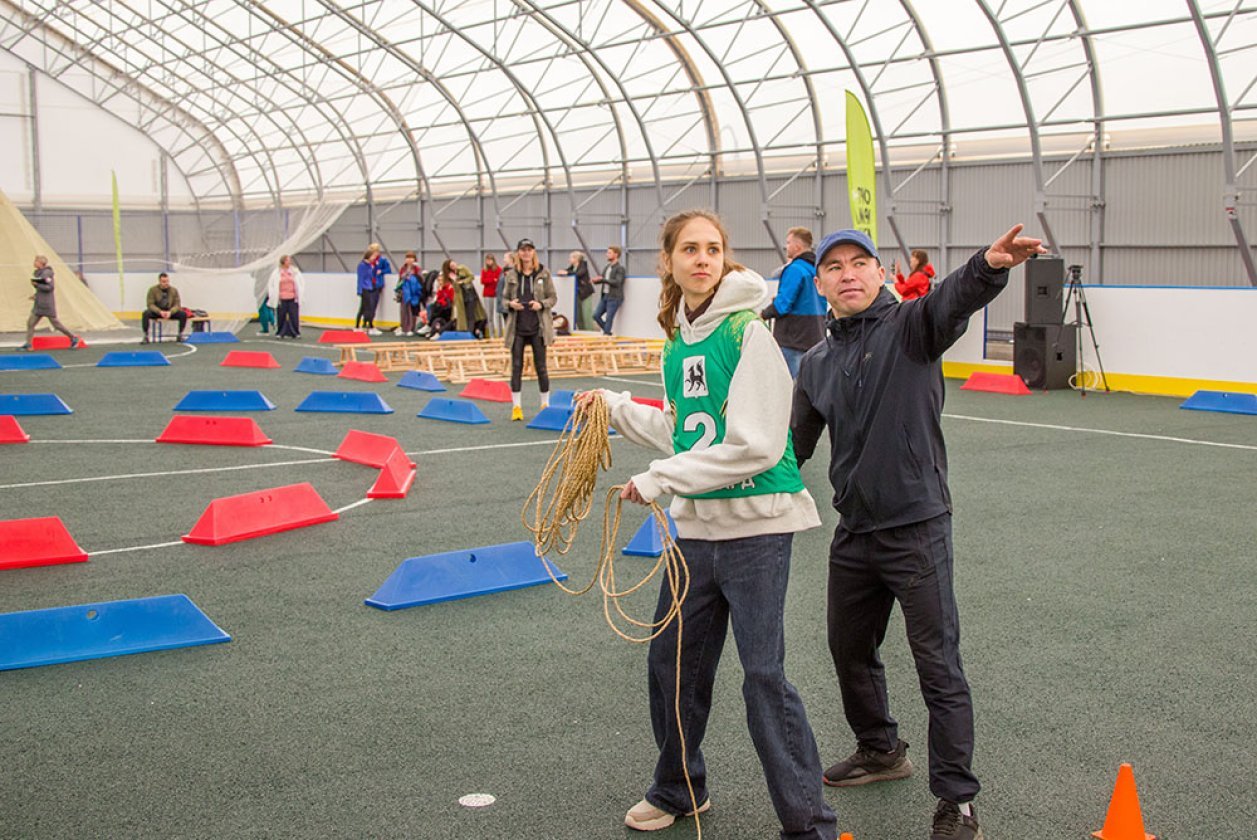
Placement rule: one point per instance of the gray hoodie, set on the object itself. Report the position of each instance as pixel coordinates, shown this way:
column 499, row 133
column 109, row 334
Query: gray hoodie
column 757, row 425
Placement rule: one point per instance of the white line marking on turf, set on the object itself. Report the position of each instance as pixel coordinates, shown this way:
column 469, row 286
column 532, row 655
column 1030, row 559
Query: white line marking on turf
column 166, row 472
column 353, row 505
column 654, row 383
column 99, row 440
column 486, row 447
column 135, row 548
column 1111, row 432
column 298, row 448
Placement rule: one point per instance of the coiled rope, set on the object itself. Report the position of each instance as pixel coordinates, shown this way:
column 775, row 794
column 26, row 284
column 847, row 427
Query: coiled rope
column 563, row 498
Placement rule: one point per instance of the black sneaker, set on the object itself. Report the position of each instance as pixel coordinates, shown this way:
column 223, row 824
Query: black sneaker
column 867, row 765
column 950, row 824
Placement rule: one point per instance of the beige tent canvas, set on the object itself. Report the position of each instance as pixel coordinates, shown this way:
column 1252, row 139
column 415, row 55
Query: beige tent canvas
column 20, row 243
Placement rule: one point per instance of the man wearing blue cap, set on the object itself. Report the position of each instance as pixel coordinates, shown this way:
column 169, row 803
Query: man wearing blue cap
column 877, row 382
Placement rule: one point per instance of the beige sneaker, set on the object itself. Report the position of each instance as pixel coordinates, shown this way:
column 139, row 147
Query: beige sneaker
column 646, row 817
column 517, row 413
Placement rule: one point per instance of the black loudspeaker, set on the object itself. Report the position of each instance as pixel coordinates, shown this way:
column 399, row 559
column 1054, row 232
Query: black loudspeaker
column 1045, row 355
column 1045, row 290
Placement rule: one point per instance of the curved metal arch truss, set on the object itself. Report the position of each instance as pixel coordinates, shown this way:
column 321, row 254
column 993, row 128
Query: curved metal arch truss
column 514, row 103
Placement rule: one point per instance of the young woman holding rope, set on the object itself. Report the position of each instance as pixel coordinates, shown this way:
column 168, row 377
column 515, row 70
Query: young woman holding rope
column 738, row 500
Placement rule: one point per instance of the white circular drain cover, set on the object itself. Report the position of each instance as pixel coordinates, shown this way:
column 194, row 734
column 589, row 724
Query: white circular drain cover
column 477, row 800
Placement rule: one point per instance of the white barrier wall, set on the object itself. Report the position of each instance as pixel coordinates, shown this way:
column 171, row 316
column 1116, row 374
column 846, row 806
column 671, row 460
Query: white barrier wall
column 1146, row 334
column 218, row 293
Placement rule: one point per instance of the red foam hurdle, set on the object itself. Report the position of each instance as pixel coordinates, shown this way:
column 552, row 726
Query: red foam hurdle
column 344, row 337
column 258, row 514
column 367, row 448
column 996, row 383
column 53, row 342
column 395, row 478
column 11, row 431
column 43, row 541
column 651, row 401
column 362, row 371
column 213, row 431
column 484, row 389
column 249, row 359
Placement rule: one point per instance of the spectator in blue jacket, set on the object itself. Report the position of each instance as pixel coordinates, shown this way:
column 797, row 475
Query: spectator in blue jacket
column 383, row 268
column 368, row 290
column 798, row 310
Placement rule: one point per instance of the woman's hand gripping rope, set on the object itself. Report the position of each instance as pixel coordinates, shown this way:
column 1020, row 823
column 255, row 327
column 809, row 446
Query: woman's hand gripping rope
column 563, row 498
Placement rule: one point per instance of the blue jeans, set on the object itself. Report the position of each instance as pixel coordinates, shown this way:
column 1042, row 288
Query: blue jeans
column 911, row 564
column 793, row 357
column 742, row 580
column 607, row 306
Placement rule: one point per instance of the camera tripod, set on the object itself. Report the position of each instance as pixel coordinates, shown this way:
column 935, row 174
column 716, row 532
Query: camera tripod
column 1082, row 315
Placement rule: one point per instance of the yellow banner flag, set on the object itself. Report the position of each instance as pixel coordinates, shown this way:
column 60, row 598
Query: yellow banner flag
column 861, row 176
column 117, row 240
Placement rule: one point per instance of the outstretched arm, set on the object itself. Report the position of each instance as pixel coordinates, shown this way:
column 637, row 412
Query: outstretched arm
column 1011, row 250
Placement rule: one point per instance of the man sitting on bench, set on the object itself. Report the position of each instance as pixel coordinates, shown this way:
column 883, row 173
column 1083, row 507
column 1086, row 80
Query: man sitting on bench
column 163, row 303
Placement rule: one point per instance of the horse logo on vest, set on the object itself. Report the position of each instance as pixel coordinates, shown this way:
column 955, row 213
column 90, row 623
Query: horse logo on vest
column 695, row 382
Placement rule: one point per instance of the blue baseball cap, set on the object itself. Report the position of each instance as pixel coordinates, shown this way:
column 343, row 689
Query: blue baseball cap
column 847, row 237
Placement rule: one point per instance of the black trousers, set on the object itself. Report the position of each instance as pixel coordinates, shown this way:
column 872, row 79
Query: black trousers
column 367, row 303
column 538, row 345
column 288, row 319
column 177, row 315
column 911, row 564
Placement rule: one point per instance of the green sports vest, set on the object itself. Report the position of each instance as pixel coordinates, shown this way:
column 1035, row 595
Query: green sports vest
column 696, row 381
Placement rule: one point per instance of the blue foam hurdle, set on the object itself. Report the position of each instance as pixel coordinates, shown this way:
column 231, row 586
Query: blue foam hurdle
column 1224, row 401
column 28, row 361
column 225, row 401
column 420, row 380
column 552, row 419
column 455, row 411
column 212, row 338
column 109, row 628
column 142, row 358
column 648, row 542
column 26, row 404
column 313, row 364
column 462, row 574
column 455, row 335
column 345, row 402
column 562, row 399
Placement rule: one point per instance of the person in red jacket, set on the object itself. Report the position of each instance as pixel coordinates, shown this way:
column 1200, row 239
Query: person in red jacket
column 918, row 283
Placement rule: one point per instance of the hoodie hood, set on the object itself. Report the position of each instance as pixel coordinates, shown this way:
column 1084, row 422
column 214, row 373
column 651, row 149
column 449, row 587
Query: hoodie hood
column 928, row 271
column 739, row 290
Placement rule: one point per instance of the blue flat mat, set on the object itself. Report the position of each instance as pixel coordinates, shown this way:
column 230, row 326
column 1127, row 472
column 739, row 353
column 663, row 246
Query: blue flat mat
column 648, row 542
column 455, row 335
column 560, row 398
column 109, row 628
column 141, row 358
column 212, row 338
column 27, row 404
column 313, row 364
column 346, row 402
column 420, row 380
column 462, row 574
column 28, row 361
column 225, row 401
column 1226, row 402
column 454, row 411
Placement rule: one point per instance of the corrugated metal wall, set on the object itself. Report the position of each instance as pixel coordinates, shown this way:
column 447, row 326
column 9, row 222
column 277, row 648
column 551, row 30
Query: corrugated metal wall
column 1163, row 222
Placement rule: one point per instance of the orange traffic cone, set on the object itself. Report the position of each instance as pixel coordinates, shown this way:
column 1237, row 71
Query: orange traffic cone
column 847, row 835
column 1124, row 820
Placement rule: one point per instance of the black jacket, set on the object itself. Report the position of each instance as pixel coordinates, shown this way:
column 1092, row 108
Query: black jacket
column 877, row 382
